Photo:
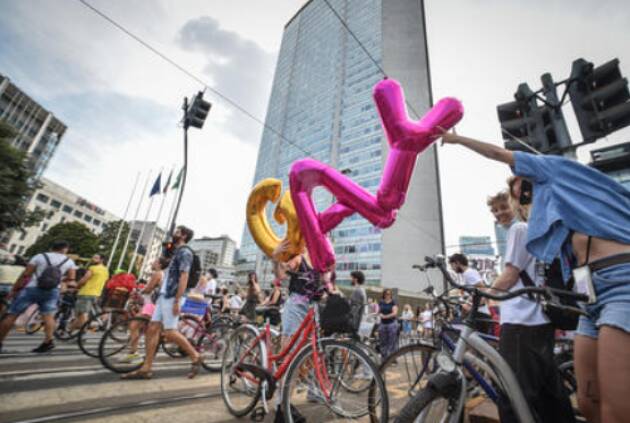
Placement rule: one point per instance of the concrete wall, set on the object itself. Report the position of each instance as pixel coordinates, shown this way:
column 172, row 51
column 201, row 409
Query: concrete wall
column 417, row 231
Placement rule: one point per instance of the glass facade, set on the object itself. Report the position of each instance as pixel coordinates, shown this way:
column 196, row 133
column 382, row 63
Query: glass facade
column 321, row 101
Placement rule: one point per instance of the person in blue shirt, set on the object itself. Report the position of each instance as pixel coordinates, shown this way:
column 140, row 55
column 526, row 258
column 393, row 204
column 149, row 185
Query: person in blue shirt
column 582, row 216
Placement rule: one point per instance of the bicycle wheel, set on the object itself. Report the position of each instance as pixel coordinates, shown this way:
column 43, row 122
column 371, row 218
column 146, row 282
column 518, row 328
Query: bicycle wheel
column 317, row 389
column 89, row 337
column 34, row 322
column 211, row 346
column 426, row 406
column 405, row 373
column 122, row 346
column 240, row 389
column 65, row 320
column 187, row 326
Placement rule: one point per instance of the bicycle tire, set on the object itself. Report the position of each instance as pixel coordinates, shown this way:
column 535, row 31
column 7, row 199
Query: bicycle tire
column 211, row 346
column 33, row 322
column 64, row 318
column 171, row 349
column 296, row 372
column 85, row 342
column 108, row 354
column 416, row 406
column 242, row 335
column 403, row 373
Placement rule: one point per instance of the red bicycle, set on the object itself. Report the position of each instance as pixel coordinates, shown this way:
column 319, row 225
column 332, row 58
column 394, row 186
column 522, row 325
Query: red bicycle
column 320, row 380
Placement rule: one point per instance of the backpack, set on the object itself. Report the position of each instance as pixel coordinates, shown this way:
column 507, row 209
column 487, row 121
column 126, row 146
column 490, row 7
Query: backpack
column 50, row 278
column 560, row 319
column 337, row 316
column 195, row 270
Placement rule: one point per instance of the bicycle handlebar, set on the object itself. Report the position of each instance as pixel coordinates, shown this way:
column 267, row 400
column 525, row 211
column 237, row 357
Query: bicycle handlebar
column 545, row 292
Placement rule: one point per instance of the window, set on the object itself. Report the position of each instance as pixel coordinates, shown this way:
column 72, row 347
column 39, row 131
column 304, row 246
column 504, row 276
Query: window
column 78, row 214
column 22, row 236
column 97, row 222
column 63, row 219
column 20, row 250
column 55, row 204
column 44, row 227
column 67, row 209
column 50, row 214
column 87, row 218
column 43, row 198
column 12, row 249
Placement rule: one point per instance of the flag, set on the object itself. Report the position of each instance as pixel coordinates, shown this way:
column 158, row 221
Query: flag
column 156, row 186
column 178, row 180
column 168, row 182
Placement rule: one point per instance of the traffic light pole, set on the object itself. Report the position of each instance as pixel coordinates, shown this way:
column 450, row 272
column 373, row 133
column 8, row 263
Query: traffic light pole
column 557, row 119
column 184, row 171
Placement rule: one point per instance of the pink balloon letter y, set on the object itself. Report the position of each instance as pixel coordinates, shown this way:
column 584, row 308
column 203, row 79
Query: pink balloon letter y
column 406, row 139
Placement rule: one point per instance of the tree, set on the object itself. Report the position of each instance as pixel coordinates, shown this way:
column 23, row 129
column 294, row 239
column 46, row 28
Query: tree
column 106, row 243
column 16, row 184
column 82, row 240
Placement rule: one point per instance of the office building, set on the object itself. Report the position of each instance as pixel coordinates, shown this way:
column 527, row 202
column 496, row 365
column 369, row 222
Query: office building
column 61, row 205
column 476, row 245
column 39, row 132
column 321, row 101
column 150, row 246
column 217, row 253
column 614, row 161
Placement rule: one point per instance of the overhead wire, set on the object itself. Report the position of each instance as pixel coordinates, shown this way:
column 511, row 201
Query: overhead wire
column 191, row 75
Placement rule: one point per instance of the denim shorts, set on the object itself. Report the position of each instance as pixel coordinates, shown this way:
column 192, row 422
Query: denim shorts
column 163, row 312
column 612, row 287
column 46, row 300
column 295, row 309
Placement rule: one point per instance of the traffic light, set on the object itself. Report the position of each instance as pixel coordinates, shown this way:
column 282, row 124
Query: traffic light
column 197, row 112
column 521, row 119
column 600, row 98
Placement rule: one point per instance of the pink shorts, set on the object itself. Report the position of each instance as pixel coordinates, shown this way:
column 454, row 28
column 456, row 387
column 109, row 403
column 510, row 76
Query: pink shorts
column 147, row 309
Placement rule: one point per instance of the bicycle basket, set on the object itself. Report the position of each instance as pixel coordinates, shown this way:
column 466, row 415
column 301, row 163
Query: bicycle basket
column 116, row 298
column 194, row 306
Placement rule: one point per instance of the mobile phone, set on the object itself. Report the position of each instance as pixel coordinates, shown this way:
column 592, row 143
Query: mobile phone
column 584, row 283
column 527, row 190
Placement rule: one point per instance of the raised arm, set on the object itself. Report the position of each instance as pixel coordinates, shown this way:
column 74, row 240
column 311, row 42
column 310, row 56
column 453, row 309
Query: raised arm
column 491, row 151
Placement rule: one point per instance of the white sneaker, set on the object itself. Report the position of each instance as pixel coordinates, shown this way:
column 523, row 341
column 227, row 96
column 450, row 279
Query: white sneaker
column 130, row 358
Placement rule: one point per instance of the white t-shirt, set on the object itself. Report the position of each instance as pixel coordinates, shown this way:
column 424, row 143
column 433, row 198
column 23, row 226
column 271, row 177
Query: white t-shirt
column 521, row 310
column 236, row 302
column 472, row 278
column 211, row 287
column 426, row 317
column 39, row 261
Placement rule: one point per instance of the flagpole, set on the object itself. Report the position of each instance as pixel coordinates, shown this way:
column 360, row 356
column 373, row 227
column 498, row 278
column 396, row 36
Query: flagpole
column 144, row 224
column 170, row 214
column 122, row 222
column 157, row 222
column 124, row 251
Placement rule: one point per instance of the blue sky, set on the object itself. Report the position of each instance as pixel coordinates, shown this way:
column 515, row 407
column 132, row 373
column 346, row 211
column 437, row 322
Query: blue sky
column 122, row 103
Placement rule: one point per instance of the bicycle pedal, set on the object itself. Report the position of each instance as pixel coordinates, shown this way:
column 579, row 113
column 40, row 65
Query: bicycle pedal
column 258, row 415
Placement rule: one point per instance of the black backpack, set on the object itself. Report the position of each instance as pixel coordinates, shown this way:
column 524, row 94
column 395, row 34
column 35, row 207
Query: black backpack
column 337, row 316
column 50, row 278
column 560, row 319
column 195, row 270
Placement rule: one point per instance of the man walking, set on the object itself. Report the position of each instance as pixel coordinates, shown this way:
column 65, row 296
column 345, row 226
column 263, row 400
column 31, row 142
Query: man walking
column 167, row 308
column 40, row 280
column 90, row 287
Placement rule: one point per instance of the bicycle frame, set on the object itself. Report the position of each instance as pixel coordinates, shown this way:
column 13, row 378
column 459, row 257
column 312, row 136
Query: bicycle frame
column 469, row 338
column 307, row 331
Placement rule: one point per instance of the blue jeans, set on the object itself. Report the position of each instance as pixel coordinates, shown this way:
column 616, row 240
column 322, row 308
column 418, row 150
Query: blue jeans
column 46, row 300
column 295, row 309
column 612, row 287
column 388, row 338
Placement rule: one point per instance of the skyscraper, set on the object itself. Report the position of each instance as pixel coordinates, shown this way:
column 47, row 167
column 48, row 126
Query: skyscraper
column 39, row 131
column 321, row 104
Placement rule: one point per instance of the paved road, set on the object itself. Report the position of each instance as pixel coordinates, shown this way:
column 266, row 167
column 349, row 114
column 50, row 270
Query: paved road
column 66, row 385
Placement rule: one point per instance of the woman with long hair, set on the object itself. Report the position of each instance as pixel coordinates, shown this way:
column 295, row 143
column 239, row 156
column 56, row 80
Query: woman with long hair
column 388, row 329
column 253, row 297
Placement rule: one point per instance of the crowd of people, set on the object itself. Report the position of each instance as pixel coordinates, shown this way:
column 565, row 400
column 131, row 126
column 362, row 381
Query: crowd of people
column 558, row 214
